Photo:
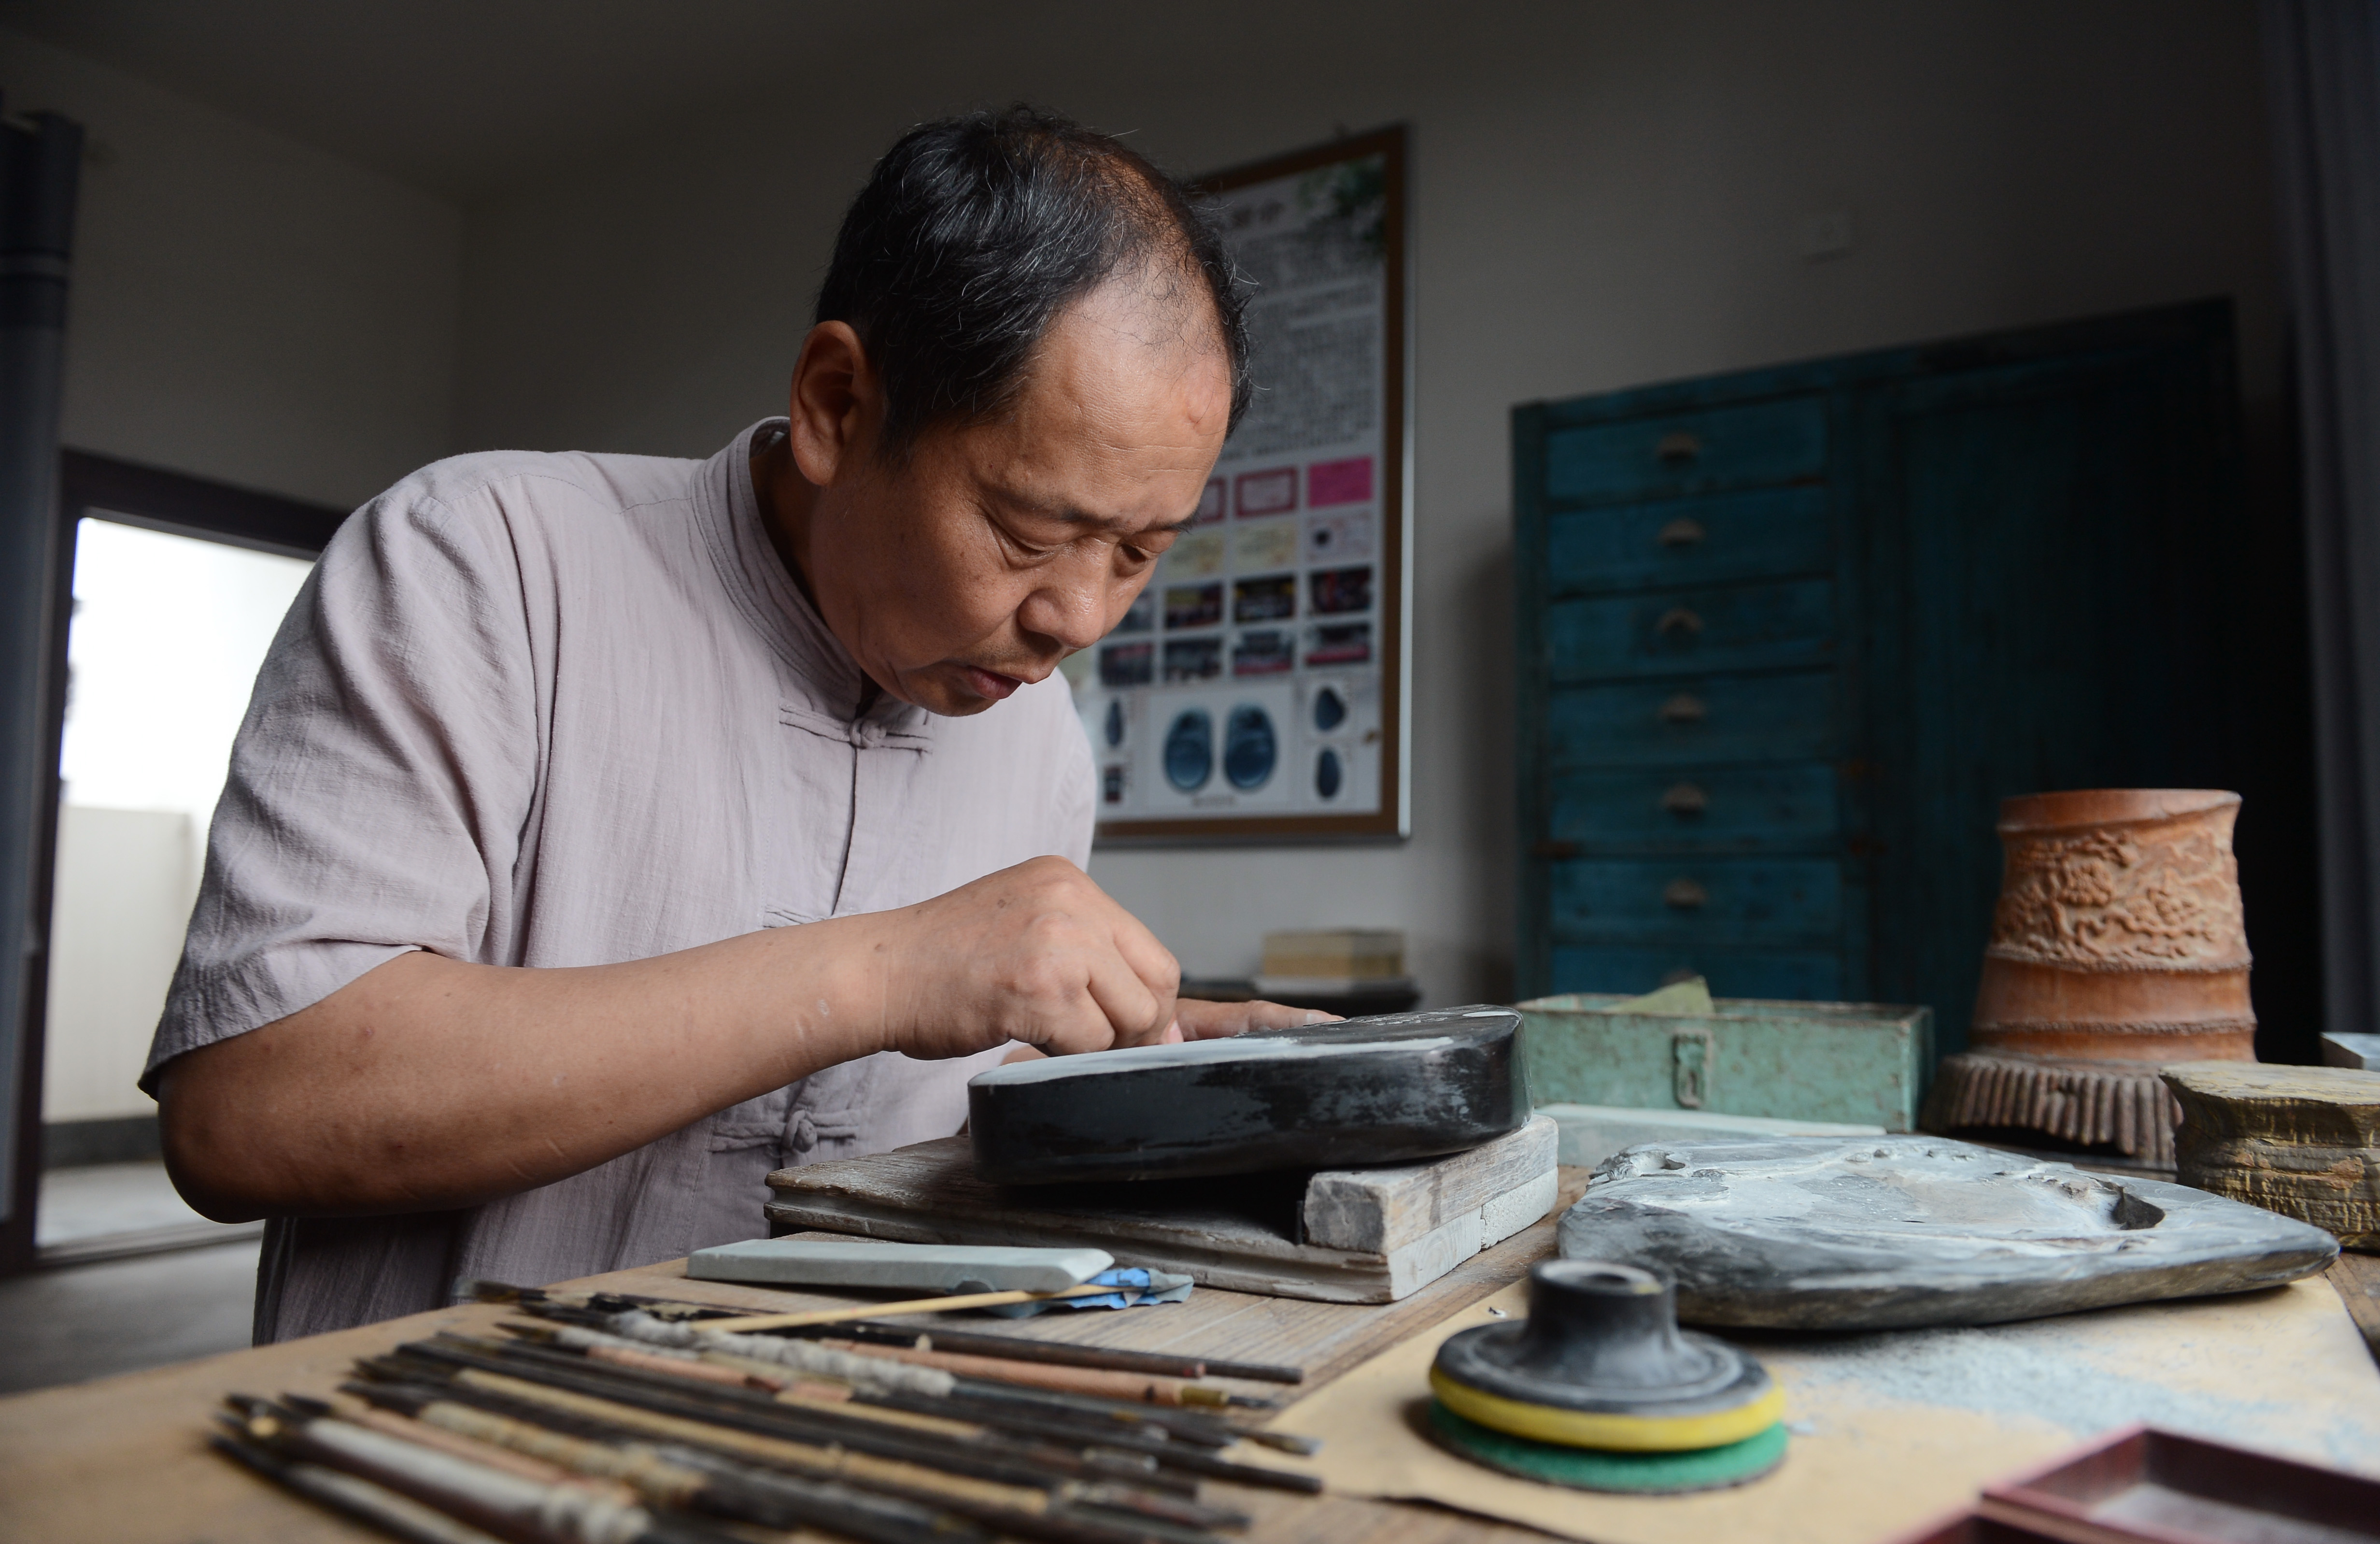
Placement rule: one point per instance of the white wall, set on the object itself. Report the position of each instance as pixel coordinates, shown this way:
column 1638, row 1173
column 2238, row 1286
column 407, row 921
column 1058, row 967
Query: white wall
column 246, row 307
column 1606, row 193
column 126, row 882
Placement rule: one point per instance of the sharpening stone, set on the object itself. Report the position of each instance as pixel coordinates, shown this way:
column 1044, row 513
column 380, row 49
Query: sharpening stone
column 1591, row 1132
column 1386, row 1089
column 945, row 1268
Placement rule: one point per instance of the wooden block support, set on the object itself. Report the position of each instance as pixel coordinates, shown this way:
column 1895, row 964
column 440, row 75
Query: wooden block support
column 1354, row 1235
column 2301, row 1141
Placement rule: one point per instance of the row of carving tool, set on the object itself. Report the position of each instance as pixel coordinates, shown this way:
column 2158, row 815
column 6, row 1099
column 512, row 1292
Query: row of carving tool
column 600, row 1419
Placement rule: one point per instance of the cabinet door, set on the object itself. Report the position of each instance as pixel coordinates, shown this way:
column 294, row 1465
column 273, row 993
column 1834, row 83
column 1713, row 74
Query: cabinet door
column 2040, row 531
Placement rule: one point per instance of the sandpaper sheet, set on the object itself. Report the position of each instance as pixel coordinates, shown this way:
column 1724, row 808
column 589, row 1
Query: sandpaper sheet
column 1891, row 1430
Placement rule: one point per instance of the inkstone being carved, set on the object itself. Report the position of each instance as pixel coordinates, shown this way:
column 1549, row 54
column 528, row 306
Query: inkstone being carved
column 2118, row 945
column 1384, row 1089
column 1886, row 1233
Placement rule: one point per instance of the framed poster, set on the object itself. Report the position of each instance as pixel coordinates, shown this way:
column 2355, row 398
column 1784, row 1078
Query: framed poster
column 1260, row 687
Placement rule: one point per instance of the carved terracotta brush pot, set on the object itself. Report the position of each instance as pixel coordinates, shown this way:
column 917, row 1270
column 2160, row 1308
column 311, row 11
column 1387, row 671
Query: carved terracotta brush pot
column 2118, row 946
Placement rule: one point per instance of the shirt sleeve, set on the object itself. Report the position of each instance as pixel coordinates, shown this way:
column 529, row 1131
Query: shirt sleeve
column 382, row 780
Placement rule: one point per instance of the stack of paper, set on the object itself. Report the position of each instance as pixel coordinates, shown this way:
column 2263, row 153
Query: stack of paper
column 1333, row 961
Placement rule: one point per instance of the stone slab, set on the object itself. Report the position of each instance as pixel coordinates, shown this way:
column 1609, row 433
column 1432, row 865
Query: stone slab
column 2300, row 1141
column 940, row 1268
column 2360, row 1053
column 1898, row 1232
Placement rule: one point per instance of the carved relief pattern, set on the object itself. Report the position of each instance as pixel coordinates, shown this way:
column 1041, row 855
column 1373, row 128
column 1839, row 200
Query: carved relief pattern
column 2126, row 897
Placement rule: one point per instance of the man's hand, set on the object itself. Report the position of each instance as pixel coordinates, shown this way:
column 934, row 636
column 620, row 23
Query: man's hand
column 1215, row 1021
column 1037, row 954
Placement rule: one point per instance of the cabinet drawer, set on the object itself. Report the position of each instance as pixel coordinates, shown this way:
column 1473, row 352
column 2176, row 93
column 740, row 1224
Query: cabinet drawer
column 1715, row 809
column 1759, row 444
column 1693, row 899
column 1683, row 541
column 1806, row 976
column 1741, row 628
column 1690, row 718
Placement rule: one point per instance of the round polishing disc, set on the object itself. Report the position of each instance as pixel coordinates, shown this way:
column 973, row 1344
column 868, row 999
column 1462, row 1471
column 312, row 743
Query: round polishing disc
column 1653, row 1474
column 1648, row 1429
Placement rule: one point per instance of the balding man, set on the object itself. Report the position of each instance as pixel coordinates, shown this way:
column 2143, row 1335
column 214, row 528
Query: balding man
column 608, row 831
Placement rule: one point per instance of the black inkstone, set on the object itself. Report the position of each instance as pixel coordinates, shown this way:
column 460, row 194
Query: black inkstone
column 1370, row 1090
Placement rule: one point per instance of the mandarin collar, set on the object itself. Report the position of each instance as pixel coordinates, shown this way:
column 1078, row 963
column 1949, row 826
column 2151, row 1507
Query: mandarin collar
column 829, row 680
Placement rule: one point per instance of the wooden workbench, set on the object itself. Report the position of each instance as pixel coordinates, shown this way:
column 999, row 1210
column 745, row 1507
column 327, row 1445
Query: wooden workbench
column 124, row 1459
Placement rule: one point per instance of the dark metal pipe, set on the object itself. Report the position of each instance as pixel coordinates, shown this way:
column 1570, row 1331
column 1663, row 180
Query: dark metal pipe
column 39, row 165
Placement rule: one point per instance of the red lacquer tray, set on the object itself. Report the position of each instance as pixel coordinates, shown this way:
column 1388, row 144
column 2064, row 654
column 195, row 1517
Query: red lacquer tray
column 2142, row 1485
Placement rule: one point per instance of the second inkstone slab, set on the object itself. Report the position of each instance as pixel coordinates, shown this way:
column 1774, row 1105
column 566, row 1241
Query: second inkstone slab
column 1368, row 1090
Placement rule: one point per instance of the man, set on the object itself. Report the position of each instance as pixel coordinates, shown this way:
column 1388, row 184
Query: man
column 606, row 831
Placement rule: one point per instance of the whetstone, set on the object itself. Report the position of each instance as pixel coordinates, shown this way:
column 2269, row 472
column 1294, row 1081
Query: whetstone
column 2301, row 1141
column 1352, row 1235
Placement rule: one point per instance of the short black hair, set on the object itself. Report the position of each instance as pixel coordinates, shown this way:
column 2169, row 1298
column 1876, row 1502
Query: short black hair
column 974, row 232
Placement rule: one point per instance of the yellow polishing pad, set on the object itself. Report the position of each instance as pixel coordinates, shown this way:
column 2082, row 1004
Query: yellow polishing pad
column 1607, row 1429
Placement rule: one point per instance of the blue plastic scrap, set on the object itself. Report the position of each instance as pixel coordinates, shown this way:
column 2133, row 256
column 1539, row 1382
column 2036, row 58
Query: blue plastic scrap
column 1137, row 1287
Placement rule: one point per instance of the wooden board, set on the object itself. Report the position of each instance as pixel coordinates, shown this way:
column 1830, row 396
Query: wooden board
column 1357, row 1236
column 2357, row 1278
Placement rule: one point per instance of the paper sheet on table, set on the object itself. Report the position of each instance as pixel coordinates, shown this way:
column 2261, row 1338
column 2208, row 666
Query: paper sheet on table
column 1889, row 1429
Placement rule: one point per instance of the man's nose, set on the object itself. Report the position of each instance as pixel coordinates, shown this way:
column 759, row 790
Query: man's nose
column 1072, row 613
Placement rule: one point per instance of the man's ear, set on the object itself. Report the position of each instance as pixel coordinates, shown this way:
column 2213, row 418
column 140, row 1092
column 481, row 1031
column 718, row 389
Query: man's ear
column 836, row 405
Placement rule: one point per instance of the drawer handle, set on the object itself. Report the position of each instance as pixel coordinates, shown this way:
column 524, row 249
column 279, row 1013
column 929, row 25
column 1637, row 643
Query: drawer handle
column 1680, row 620
column 1678, row 445
column 1690, row 1054
column 1685, row 895
column 1685, row 708
column 1683, row 531
column 1685, row 799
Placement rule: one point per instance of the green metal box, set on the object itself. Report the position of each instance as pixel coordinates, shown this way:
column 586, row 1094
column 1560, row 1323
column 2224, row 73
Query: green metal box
column 1865, row 1063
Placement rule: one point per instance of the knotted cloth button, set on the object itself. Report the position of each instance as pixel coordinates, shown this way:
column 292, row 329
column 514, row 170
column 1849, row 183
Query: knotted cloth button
column 801, row 1132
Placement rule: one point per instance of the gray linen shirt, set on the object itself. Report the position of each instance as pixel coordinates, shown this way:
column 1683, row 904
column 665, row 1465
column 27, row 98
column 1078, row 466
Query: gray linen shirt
column 559, row 709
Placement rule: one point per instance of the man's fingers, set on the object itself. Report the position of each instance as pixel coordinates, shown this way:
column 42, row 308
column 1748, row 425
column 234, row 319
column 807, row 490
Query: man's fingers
column 1135, row 1013
column 1157, row 970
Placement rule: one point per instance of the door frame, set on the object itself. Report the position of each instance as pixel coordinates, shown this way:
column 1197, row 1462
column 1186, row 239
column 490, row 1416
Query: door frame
column 155, row 499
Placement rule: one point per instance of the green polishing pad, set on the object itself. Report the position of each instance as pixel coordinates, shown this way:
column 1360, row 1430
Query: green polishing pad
column 1593, row 1469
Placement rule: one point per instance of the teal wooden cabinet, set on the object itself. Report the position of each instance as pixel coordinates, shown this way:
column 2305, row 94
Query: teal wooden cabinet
column 1786, row 638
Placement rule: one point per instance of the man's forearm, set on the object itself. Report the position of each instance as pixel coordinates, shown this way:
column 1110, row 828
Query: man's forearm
column 428, row 1083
